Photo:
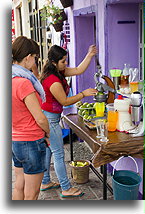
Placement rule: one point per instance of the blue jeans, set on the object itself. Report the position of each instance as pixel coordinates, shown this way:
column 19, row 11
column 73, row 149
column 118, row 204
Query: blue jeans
column 56, row 148
column 29, row 155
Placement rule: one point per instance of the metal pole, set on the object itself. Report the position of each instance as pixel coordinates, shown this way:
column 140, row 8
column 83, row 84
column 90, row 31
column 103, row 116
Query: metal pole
column 71, row 144
column 104, row 182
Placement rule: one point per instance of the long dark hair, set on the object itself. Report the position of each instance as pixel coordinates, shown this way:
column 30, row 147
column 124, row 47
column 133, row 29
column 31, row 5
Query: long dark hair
column 55, row 54
column 22, row 47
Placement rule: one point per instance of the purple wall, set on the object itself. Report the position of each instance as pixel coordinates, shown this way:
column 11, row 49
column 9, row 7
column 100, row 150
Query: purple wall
column 84, row 37
column 122, row 39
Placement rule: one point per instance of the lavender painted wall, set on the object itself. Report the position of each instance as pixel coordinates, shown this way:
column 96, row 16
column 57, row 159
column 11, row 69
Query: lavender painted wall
column 122, row 41
column 84, row 26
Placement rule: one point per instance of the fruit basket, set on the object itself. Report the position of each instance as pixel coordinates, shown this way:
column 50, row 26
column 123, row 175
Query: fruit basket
column 86, row 110
column 80, row 171
column 88, row 113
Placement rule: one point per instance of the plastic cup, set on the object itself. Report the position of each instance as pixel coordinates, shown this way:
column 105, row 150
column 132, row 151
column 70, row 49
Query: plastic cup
column 112, row 117
column 102, row 130
column 133, row 86
column 100, row 108
column 99, row 125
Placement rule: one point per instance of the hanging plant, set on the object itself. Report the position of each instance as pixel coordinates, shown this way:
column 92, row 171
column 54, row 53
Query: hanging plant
column 66, row 3
column 56, row 14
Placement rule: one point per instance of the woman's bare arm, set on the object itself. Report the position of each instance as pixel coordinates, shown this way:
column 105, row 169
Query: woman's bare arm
column 60, row 95
column 83, row 65
column 33, row 105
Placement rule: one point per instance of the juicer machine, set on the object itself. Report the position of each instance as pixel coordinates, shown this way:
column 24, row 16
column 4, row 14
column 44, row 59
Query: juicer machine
column 102, row 88
column 137, row 112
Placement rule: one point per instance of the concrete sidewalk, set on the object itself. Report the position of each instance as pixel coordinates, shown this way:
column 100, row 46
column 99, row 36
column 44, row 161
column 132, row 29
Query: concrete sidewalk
column 93, row 189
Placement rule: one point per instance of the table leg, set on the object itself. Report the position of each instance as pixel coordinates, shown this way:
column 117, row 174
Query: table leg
column 101, row 169
column 71, row 144
column 105, row 182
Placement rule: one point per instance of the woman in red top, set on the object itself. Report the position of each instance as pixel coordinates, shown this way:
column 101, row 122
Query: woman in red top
column 57, row 89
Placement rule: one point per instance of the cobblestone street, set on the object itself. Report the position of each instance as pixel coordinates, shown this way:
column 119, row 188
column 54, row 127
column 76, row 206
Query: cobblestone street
column 93, row 189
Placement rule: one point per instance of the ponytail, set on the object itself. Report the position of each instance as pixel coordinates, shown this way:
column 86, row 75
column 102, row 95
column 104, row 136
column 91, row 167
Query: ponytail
column 48, row 69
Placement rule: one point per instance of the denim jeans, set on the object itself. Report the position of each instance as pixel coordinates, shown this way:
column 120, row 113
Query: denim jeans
column 57, row 149
column 29, row 155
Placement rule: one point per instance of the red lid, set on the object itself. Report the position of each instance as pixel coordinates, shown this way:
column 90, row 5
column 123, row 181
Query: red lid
column 120, row 97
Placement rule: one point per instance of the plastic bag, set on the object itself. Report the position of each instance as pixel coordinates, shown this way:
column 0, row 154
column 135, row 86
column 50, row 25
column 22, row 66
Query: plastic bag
column 134, row 75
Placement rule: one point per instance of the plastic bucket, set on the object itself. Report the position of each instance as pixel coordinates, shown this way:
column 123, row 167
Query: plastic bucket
column 125, row 183
column 80, row 175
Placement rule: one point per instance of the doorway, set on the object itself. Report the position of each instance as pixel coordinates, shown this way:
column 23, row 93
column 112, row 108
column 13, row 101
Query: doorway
column 122, row 35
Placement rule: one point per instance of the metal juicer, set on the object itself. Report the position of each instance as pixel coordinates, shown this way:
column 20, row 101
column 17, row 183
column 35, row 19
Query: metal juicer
column 137, row 113
column 100, row 87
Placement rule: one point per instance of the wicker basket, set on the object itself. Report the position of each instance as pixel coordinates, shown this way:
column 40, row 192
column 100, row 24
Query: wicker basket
column 80, row 175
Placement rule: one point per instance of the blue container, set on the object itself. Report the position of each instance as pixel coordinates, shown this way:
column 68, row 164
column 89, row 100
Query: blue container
column 125, row 184
column 65, row 133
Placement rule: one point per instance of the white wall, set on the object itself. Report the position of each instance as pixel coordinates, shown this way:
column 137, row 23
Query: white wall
column 25, row 17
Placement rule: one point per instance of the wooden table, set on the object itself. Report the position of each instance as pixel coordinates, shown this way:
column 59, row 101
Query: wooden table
column 119, row 144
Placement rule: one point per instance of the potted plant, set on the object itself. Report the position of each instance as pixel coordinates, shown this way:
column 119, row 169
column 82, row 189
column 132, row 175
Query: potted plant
column 56, row 14
column 66, row 3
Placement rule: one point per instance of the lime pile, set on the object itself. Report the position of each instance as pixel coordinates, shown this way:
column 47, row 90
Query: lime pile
column 79, row 163
column 86, row 110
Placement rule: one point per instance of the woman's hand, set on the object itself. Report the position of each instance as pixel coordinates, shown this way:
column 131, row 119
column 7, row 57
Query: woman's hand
column 47, row 139
column 92, row 50
column 89, row 92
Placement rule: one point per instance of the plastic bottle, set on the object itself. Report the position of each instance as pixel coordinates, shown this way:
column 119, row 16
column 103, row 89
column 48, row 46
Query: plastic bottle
column 125, row 77
column 125, row 70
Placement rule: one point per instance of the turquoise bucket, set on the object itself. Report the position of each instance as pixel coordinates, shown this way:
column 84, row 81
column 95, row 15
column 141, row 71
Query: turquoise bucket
column 125, row 183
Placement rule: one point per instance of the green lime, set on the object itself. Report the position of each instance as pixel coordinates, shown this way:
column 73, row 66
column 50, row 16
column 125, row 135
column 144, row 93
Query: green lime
column 93, row 111
column 84, row 112
column 87, row 112
column 94, row 106
column 86, row 103
column 85, row 117
column 81, row 107
column 89, row 105
column 89, row 117
column 80, row 112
